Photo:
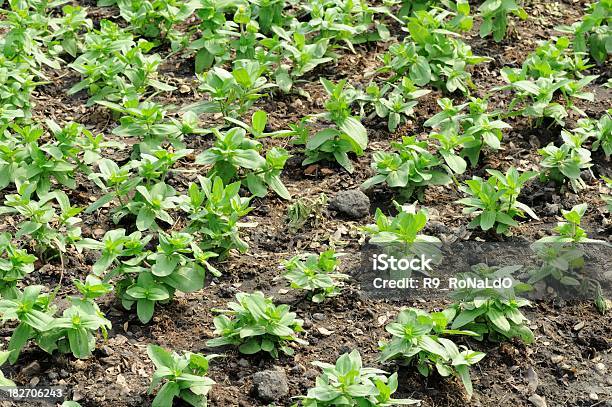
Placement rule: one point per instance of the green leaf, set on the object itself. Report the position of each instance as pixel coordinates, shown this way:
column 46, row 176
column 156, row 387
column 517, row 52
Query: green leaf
column 250, row 347
column 159, row 356
column 259, row 120
column 356, row 132
column 487, row 219
column 79, row 342
column 498, row 319
column 20, row 336
column 166, row 394
column 144, row 310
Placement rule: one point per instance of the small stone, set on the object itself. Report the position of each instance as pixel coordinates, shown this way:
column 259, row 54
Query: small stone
column 307, row 324
column 52, row 375
column 532, row 380
column 537, row 401
column 311, row 374
column 551, row 209
column 243, row 363
column 593, row 396
column 31, row 369
column 271, row 385
column 556, row 358
column 324, row 331
column 579, row 326
column 80, row 365
column 34, row 381
column 353, row 203
column 64, row 373
column 600, row 368
column 318, row 316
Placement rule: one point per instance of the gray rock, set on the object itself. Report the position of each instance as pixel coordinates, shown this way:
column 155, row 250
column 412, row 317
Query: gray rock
column 31, row 369
column 244, row 363
column 271, row 385
column 318, row 316
column 537, row 400
column 352, row 203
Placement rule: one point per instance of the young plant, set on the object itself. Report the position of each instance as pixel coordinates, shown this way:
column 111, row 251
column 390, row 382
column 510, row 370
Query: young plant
column 255, row 324
column 565, row 162
column 492, row 311
column 348, row 383
column 495, row 17
column 494, row 201
column 215, row 211
column 348, row 135
column 233, row 152
column 432, row 54
column 533, row 98
column 601, row 131
column 49, row 229
column 115, row 247
column 149, row 205
column 116, row 68
column 178, row 264
column 15, row 264
column 232, row 93
column 409, row 169
column 147, row 121
column 592, row 32
column 416, row 340
column 562, row 255
column 185, row 377
column 395, row 105
column 32, row 311
column 403, row 229
column 155, row 18
column 75, row 331
column 315, row 274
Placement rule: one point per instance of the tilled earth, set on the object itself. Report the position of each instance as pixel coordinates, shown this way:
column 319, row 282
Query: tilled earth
column 569, row 364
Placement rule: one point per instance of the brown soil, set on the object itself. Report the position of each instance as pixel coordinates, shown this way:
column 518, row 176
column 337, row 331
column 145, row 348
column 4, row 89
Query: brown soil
column 563, row 356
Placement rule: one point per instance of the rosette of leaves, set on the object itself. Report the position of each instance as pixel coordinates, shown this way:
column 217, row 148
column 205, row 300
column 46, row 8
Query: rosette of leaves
column 149, row 205
column 234, row 156
column 347, row 136
column 417, row 340
column 254, row 324
column 185, row 377
column 495, row 14
column 592, row 32
column 400, row 237
column 410, row 168
column 349, row 383
column 316, row 275
column 178, row 264
column 492, row 311
column 75, row 330
column 561, row 254
column 494, row 201
column 565, row 162
column 51, row 231
column 15, row 264
column 215, row 212
column 433, row 53
column 232, row 93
